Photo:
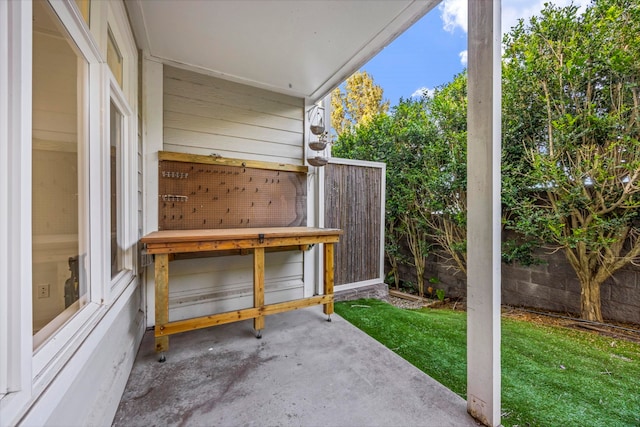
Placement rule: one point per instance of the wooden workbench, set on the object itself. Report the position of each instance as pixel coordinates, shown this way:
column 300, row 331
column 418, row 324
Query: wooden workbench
column 164, row 245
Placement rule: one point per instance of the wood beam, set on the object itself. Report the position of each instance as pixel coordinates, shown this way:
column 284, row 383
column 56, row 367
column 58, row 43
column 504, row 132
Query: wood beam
column 226, row 161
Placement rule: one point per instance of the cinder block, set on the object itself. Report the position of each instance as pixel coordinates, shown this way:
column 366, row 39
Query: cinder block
column 624, row 277
column 620, row 312
column 624, row 295
column 555, row 281
column 377, row 291
column 511, row 297
column 543, row 267
column 535, row 291
column 564, row 301
column 516, row 273
column 508, row 285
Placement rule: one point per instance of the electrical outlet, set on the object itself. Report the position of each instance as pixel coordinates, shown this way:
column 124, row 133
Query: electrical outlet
column 43, row 291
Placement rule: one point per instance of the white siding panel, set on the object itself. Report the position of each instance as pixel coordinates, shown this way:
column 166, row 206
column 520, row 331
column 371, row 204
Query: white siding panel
column 215, row 285
column 208, row 126
column 231, row 90
column 227, row 98
column 238, row 302
column 87, row 390
column 210, row 110
column 206, row 115
column 185, row 141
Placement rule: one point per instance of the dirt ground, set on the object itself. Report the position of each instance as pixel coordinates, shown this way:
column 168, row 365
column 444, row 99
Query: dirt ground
column 618, row 330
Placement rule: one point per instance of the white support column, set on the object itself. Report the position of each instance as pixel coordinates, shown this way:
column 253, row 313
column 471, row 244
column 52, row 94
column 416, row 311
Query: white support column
column 152, row 142
column 483, row 218
column 310, row 263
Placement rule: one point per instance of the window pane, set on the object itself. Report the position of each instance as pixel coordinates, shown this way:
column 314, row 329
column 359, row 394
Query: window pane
column 114, row 58
column 85, row 8
column 115, row 167
column 59, row 117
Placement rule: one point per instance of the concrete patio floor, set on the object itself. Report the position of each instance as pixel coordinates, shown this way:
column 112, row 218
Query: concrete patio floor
column 303, row 372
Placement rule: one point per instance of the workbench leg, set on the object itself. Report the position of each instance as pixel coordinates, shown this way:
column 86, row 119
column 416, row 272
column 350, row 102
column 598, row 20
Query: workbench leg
column 328, row 278
column 162, row 302
column 258, row 288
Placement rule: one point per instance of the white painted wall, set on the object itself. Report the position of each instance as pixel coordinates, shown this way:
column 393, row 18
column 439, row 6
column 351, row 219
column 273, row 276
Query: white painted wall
column 206, row 115
column 88, row 389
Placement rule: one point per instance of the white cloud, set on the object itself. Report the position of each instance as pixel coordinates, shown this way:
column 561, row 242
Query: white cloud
column 454, row 12
column 463, row 57
column 423, row 91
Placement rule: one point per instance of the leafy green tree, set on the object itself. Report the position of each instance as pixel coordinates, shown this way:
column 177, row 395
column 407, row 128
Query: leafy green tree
column 572, row 136
column 359, row 104
column 413, row 132
column 444, row 171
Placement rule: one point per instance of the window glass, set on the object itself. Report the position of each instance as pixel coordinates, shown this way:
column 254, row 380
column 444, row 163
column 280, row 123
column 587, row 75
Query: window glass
column 114, row 58
column 115, row 149
column 58, row 182
column 85, row 9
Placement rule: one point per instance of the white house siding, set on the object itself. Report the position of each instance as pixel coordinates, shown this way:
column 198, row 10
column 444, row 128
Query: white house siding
column 206, row 115
column 87, row 391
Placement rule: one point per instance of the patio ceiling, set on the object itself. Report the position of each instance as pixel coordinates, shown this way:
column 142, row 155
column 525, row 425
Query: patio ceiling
column 300, row 48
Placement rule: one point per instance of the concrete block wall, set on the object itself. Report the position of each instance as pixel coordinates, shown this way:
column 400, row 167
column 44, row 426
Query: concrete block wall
column 622, row 293
column 377, row 291
column 552, row 285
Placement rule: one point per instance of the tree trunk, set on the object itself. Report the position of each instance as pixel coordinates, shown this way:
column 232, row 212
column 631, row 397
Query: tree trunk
column 590, row 305
column 393, row 262
column 416, row 239
column 590, row 308
column 420, row 267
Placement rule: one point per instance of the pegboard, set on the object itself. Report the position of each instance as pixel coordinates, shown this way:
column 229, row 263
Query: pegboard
column 202, row 192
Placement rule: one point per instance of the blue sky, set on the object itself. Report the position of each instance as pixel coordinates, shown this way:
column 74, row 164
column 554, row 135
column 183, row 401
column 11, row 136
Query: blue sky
column 433, row 51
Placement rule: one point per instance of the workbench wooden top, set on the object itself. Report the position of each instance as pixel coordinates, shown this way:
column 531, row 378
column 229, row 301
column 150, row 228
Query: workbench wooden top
column 206, row 235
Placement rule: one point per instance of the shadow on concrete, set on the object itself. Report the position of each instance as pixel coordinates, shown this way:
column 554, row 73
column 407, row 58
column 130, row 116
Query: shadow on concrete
column 304, row 371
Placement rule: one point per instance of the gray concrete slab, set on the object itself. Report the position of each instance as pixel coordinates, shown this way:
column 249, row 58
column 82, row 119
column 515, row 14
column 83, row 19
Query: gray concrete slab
column 304, row 371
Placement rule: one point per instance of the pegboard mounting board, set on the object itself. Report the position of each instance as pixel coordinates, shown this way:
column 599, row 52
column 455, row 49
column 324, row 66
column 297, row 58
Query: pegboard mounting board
column 206, row 192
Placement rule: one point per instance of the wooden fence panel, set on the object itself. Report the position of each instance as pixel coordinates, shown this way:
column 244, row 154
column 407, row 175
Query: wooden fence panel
column 354, row 202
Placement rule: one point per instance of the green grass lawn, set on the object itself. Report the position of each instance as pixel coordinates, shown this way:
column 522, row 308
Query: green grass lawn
column 551, row 376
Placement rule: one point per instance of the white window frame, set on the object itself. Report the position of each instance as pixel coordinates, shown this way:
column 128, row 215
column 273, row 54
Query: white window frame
column 123, row 98
column 15, row 212
column 4, row 189
column 53, row 354
column 127, row 224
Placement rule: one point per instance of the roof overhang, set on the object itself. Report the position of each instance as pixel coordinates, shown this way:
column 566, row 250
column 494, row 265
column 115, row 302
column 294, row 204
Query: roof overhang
column 300, row 48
